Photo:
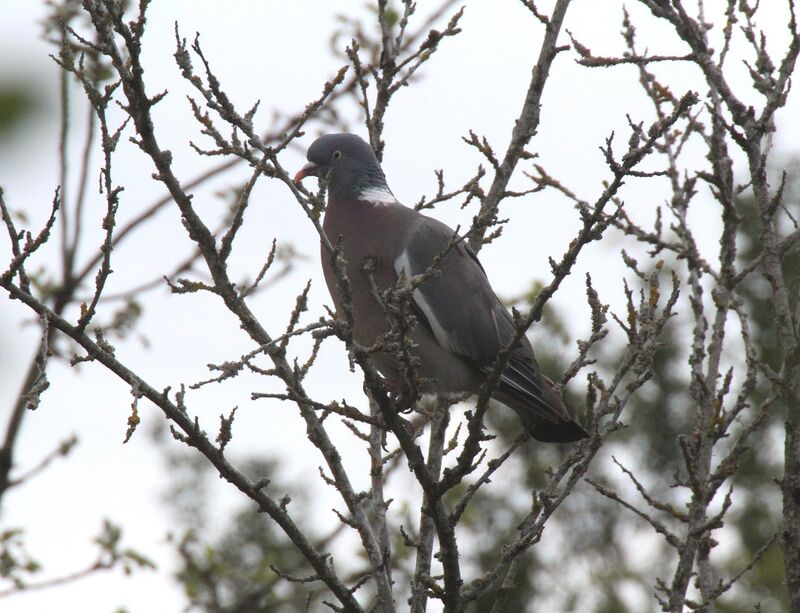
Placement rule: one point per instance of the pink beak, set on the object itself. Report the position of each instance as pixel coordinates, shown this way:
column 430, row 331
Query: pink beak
column 308, row 170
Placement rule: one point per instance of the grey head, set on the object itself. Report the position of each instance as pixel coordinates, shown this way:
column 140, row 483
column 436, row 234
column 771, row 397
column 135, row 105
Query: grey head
column 348, row 164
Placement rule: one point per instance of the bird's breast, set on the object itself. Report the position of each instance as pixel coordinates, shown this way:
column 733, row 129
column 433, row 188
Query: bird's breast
column 368, row 274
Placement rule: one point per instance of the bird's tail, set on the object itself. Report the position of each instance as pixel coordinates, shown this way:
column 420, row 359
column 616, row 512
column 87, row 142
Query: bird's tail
column 563, row 430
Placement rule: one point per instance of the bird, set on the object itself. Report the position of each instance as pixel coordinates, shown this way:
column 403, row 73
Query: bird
column 462, row 325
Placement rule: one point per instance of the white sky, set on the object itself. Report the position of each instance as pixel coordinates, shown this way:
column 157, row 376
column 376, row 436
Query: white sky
column 278, row 52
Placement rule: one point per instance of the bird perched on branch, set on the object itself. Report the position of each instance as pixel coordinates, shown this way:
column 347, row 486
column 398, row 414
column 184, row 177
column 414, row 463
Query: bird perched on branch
column 462, row 325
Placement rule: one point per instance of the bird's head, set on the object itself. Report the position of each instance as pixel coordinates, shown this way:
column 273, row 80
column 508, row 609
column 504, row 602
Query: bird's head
column 346, row 162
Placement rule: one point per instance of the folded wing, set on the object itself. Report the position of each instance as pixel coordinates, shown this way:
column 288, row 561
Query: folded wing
column 459, row 307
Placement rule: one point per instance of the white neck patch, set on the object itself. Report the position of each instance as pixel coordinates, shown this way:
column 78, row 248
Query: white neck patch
column 377, row 195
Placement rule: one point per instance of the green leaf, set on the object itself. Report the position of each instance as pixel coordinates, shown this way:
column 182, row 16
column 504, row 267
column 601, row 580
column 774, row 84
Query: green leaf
column 15, row 104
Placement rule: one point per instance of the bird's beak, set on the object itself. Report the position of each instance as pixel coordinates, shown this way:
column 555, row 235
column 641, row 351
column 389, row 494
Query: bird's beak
column 309, row 170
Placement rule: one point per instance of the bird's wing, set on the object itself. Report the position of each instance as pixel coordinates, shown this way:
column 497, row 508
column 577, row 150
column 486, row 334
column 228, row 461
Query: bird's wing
column 459, row 307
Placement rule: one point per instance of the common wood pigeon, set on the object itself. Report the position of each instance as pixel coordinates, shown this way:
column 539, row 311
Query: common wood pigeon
column 462, row 325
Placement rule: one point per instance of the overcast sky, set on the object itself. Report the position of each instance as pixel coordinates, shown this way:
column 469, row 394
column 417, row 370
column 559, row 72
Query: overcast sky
column 278, row 52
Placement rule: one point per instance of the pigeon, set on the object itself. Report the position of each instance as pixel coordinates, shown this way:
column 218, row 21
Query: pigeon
column 461, row 324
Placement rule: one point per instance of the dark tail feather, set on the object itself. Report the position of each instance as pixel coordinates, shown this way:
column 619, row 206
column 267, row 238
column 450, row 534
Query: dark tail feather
column 564, row 430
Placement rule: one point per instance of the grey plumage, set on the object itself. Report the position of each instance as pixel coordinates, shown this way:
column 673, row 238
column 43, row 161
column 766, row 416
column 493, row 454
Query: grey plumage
column 463, row 325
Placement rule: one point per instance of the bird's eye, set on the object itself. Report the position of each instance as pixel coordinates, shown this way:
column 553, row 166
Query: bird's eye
column 337, row 155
